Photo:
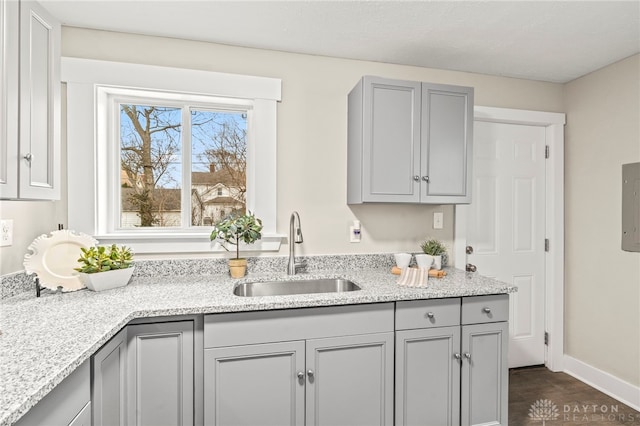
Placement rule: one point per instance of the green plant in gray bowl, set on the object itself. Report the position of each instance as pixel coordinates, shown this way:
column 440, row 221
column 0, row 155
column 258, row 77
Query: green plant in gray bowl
column 104, row 258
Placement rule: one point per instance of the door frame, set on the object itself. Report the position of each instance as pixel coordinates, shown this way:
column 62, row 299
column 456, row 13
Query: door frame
column 554, row 218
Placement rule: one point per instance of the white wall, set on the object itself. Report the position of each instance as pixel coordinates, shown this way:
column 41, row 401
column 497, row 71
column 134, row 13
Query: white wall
column 312, row 135
column 602, row 285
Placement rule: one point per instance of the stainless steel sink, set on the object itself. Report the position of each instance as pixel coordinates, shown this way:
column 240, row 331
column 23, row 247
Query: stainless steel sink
column 283, row 288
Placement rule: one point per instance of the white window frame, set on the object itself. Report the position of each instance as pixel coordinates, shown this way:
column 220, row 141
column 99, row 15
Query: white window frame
column 93, row 86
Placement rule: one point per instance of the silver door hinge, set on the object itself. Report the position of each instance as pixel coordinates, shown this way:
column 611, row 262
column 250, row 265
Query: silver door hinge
column 546, row 151
column 546, row 338
column 546, row 244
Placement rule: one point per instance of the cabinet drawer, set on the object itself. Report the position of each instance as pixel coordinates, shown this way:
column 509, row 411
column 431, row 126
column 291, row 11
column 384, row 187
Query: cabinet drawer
column 480, row 309
column 427, row 313
column 245, row 328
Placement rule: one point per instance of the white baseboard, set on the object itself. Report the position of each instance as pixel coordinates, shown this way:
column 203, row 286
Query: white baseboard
column 611, row 385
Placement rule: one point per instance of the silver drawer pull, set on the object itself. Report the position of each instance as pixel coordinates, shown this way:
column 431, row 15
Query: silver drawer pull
column 457, row 356
column 430, row 315
column 310, row 373
column 486, row 310
column 467, row 355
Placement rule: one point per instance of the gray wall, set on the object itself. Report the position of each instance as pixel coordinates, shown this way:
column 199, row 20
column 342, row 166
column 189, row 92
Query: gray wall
column 602, row 287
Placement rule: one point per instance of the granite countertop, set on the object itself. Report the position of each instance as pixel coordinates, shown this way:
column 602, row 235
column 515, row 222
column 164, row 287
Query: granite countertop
column 45, row 339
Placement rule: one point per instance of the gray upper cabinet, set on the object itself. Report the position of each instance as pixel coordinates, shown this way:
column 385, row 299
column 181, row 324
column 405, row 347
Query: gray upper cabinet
column 30, row 103
column 9, row 89
column 409, row 142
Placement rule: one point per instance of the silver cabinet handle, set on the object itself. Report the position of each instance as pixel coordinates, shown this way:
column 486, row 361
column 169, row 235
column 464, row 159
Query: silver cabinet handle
column 467, row 355
column 425, row 178
column 416, row 178
column 28, row 157
column 457, row 356
column 430, row 315
column 310, row 373
column 486, row 310
column 300, row 375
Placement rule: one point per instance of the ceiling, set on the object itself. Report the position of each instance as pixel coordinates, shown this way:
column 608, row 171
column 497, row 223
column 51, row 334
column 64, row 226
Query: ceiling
column 555, row 41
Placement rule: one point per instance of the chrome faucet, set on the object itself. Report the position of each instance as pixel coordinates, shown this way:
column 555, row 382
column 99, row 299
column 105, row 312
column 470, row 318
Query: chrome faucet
column 295, row 237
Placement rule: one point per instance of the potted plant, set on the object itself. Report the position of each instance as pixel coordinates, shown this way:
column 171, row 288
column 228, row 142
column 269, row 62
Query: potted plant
column 435, row 249
column 235, row 229
column 105, row 267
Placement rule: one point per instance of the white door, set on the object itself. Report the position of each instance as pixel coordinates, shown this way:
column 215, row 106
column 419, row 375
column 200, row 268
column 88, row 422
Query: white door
column 506, row 226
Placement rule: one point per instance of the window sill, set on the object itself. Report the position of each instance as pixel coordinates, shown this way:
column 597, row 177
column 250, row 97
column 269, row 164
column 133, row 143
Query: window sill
column 186, row 243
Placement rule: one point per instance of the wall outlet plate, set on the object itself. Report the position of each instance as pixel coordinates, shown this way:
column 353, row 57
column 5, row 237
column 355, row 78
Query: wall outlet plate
column 438, row 220
column 6, row 232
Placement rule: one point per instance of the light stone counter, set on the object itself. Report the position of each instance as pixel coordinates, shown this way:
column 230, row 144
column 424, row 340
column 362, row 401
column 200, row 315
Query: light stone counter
column 44, row 339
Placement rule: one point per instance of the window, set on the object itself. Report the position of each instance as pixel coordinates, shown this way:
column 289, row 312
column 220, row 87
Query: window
column 168, row 158
column 155, row 140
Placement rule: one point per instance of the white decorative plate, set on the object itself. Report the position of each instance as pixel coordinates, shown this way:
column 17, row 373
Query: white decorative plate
column 54, row 256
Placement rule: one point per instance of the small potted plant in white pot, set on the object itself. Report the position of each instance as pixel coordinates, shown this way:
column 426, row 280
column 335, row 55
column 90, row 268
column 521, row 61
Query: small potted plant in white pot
column 105, row 267
column 235, row 229
column 435, row 249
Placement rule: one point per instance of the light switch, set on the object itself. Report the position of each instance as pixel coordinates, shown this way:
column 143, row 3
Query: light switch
column 438, row 220
column 6, row 232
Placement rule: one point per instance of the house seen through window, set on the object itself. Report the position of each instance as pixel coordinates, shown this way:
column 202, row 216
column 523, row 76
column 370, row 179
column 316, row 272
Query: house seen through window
column 179, row 159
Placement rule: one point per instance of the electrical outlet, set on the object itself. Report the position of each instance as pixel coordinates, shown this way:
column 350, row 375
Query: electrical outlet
column 438, row 220
column 355, row 232
column 6, row 232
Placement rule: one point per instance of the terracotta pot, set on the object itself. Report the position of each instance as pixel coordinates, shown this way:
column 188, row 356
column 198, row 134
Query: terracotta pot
column 237, row 268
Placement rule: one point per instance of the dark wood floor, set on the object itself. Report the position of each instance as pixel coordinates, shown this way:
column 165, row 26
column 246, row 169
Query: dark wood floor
column 537, row 394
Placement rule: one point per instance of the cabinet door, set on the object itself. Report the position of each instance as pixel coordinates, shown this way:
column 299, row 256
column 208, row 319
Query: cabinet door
column 39, row 153
column 254, row 385
column 160, row 374
column 350, row 380
column 108, row 382
column 485, row 374
column 447, row 134
column 9, row 36
column 428, row 376
column 83, row 418
column 391, row 140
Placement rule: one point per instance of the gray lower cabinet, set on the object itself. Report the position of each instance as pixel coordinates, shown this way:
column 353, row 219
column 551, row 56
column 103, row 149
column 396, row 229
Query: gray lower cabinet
column 255, row 385
column 313, row 367
column 428, row 376
column 409, row 142
column 108, row 382
column 350, row 380
column 67, row 404
column 145, row 376
column 451, row 361
column 485, row 375
column 83, row 418
column 160, row 374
